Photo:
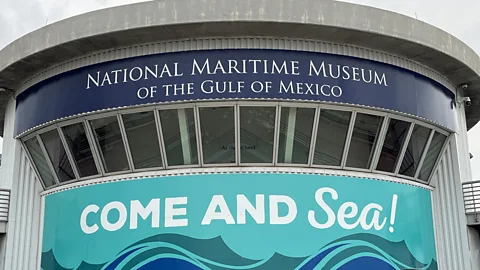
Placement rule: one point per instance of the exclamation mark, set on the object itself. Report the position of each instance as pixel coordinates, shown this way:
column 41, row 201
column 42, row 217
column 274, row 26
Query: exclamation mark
column 394, row 211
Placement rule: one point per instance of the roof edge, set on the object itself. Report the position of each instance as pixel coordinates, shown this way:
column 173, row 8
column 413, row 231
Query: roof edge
column 381, row 30
column 155, row 13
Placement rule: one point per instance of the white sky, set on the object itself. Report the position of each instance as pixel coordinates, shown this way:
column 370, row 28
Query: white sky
column 458, row 17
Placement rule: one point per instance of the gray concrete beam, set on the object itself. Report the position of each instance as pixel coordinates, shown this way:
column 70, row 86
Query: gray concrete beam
column 325, row 20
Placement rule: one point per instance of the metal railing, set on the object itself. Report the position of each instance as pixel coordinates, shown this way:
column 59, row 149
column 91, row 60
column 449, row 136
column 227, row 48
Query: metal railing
column 471, row 197
column 4, row 203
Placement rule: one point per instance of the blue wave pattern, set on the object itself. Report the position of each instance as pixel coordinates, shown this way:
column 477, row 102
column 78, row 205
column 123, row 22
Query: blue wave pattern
column 172, row 251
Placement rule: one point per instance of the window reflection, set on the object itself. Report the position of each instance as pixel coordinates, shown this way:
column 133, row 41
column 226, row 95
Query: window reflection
column 110, row 144
column 392, row 145
column 296, row 125
column 218, row 134
column 434, row 149
column 257, row 128
column 414, row 151
column 142, row 139
column 178, row 129
column 77, row 141
column 364, row 137
column 40, row 161
column 331, row 136
column 58, row 155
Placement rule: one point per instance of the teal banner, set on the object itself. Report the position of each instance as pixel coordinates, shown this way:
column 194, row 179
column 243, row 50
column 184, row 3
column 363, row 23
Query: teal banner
column 240, row 221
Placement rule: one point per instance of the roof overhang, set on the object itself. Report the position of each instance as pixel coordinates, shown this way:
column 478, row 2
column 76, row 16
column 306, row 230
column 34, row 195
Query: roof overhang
column 156, row 21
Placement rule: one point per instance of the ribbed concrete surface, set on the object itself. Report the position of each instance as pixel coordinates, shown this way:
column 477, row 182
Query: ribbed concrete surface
column 179, row 19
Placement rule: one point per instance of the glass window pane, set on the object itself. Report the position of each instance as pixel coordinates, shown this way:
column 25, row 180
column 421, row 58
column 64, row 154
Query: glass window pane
column 76, row 138
column 178, row 129
column 432, row 155
column 257, row 128
column 110, row 143
column 142, row 139
column 414, row 150
column 218, row 135
column 365, row 134
column 40, row 161
column 396, row 134
column 58, row 155
column 296, row 125
column 331, row 135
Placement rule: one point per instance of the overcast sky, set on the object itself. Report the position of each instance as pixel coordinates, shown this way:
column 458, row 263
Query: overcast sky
column 459, row 17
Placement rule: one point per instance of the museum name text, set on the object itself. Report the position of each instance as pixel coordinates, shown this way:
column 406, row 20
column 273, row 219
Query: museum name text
column 235, row 76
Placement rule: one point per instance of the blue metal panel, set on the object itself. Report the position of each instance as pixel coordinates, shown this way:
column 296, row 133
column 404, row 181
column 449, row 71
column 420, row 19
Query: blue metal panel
column 295, row 76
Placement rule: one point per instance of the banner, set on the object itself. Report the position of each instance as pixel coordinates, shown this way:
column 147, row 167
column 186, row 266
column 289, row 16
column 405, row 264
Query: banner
column 240, row 221
column 234, row 75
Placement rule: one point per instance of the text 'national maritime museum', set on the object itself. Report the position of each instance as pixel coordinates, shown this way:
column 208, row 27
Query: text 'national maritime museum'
column 225, row 135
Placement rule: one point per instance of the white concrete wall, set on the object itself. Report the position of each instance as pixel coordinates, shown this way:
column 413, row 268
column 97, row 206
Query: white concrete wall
column 20, row 245
column 457, row 245
column 11, row 148
column 462, row 143
column 449, row 215
column 465, row 176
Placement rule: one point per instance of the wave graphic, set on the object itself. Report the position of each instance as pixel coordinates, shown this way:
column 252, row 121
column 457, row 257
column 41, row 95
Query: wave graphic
column 173, row 251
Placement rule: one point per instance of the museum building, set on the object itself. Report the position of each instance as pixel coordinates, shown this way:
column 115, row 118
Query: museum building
column 227, row 135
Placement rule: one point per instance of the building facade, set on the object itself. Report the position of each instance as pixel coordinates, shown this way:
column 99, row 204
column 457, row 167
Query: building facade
column 220, row 135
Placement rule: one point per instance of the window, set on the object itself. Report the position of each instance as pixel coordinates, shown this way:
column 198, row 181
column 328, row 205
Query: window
column 178, row 129
column 58, row 155
column 217, row 126
column 414, row 150
column 142, row 139
column 331, row 136
column 392, row 145
column 296, row 125
column 249, row 133
column 77, row 141
column 257, row 129
column 434, row 149
column 40, row 161
column 110, row 144
column 364, row 137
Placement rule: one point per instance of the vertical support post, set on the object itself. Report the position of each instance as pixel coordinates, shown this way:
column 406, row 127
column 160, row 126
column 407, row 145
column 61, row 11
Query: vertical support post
column 292, row 117
column 185, row 140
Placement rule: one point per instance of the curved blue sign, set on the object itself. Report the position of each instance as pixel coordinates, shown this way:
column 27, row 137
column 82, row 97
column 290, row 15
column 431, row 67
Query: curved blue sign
column 234, row 74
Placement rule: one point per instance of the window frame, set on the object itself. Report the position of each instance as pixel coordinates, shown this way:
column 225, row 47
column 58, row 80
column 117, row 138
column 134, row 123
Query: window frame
column 424, row 151
column 386, row 115
column 162, row 140
column 297, row 105
column 99, row 167
column 236, row 130
column 440, row 155
column 347, row 139
column 402, row 149
column 95, row 145
column 276, row 133
column 376, row 144
column 45, row 155
column 34, row 165
column 127, row 143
